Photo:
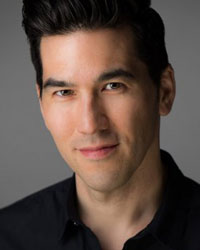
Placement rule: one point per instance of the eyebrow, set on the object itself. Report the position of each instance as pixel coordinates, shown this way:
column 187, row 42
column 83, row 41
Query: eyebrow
column 56, row 83
column 105, row 76
column 114, row 74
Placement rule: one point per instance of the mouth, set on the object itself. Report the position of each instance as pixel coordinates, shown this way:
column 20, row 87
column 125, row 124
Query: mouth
column 98, row 153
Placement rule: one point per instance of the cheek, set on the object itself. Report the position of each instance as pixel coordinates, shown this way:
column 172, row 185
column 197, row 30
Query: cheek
column 124, row 113
column 134, row 118
column 58, row 121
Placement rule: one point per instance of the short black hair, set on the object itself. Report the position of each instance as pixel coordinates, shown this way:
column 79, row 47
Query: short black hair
column 53, row 17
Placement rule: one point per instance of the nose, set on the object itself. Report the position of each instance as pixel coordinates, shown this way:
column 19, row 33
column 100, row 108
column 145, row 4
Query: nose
column 91, row 116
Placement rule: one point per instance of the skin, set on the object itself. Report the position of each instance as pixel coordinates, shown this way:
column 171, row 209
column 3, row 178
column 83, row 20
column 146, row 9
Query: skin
column 122, row 187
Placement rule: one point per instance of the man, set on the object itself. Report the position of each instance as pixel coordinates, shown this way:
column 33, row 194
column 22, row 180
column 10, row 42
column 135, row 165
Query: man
column 103, row 81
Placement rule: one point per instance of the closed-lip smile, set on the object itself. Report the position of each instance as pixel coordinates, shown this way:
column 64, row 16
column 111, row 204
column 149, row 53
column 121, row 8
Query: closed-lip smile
column 98, row 152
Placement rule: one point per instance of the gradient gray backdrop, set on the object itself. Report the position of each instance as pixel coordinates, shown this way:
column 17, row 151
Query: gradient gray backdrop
column 29, row 160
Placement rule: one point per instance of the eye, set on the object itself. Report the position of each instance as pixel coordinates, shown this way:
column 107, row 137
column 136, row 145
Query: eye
column 65, row 92
column 113, row 86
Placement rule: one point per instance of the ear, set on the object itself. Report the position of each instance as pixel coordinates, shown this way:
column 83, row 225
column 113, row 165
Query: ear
column 39, row 97
column 167, row 91
column 41, row 105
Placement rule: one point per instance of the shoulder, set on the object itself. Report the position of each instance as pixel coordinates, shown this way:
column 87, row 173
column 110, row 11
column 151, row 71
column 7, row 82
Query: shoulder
column 33, row 216
column 32, row 201
column 192, row 216
column 191, row 190
column 182, row 188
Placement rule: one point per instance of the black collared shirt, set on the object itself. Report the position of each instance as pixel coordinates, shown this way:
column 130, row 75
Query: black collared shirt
column 48, row 220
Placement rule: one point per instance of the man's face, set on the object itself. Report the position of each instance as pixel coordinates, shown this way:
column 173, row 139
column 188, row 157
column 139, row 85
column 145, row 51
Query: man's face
column 100, row 105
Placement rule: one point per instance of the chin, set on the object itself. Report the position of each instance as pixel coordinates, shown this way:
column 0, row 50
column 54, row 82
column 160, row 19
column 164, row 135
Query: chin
column 104, row 181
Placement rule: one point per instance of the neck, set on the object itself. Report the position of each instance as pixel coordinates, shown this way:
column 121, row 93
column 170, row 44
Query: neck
column 128, row 208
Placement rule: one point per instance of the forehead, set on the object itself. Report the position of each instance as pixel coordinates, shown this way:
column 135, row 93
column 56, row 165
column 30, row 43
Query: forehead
column 87, row 52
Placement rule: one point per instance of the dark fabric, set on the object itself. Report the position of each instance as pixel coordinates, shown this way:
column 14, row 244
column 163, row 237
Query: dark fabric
column 48, row 220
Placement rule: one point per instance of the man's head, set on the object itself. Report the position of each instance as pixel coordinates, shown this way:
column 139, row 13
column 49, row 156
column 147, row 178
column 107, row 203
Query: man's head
column 51, row 17
column 99, row 65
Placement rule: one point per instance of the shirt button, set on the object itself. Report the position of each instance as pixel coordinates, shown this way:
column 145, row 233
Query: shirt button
column 75, row 223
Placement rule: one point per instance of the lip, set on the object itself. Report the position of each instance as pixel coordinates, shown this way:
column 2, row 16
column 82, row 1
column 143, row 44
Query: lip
column 98, row 152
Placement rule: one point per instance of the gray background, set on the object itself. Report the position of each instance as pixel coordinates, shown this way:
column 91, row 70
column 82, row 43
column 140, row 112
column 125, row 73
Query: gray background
column 29, row 160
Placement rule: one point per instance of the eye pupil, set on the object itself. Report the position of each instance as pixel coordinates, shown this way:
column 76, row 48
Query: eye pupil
column 65, row 92
column 114, row 85
column 62, row 92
